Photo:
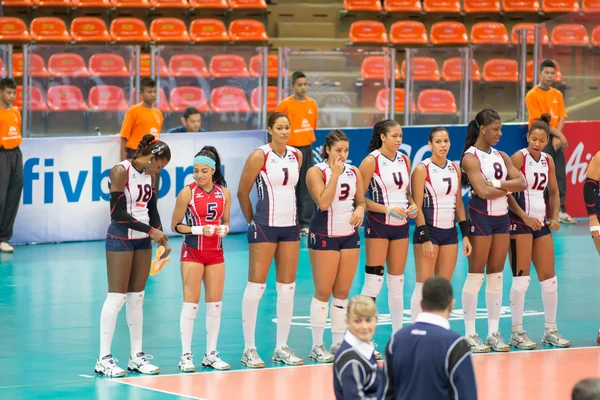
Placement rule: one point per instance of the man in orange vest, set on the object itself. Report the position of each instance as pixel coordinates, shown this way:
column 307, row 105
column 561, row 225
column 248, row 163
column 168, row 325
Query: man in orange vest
column 303, row 114
column 11, row 162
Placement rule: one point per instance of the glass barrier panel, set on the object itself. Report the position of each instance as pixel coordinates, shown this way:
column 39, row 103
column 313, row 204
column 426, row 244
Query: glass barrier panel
column 83, row 89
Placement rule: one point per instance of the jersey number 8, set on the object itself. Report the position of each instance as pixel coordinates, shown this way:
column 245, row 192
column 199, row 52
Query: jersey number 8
column 498, row 172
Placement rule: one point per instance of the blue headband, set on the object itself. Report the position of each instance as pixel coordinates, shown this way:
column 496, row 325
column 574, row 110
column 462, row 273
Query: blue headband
column 205, row 160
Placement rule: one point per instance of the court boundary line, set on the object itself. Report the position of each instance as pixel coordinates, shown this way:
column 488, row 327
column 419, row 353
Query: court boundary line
column 122, row 382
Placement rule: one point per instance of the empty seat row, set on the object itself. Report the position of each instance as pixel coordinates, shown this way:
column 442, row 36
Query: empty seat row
column 427, row 69
column 108, row 98
column 204, row 4
column 131, row 30
column 104, row 65
column 455, row 33
column 472, row 6
column 429, row 101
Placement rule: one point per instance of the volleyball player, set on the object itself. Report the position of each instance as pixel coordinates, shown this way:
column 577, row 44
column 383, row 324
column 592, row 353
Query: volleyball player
column 135, row 222
column 389, row 204
column 591, row 197
column 333, row 241
column 530, row 238
column 205, row 204
column 490, row 174
column 436, row 191
column 273, row 233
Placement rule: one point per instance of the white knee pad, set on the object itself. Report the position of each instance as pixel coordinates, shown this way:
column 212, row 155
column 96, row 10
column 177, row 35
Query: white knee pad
column 214, row 309
column 473, row 283
column 318, row 313
column 189, row 311
column 494, row 283
column 135, row 299
column 395, row 285
column 285, row 292
column 550, row 285
column 338, row 315
column 115, row 301
column 254, row 291
column 521, row 283
column 373, row 281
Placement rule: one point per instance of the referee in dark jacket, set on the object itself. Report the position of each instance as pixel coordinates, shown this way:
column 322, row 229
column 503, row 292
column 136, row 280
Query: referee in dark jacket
column 426, row 360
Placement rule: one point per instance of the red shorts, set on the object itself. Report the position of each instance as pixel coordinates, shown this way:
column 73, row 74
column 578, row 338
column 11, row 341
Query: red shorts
column 204, row 257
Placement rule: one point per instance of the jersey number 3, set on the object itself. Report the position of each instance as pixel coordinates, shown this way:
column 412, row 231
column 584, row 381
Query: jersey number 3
column 345, row 192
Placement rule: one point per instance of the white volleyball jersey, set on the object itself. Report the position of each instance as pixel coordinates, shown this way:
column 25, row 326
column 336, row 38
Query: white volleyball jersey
column 389, row 185
column 335, row 221
column 138, row 192
column 531, row 200
column 439, row 200
column 492, row 168
column 276, row 187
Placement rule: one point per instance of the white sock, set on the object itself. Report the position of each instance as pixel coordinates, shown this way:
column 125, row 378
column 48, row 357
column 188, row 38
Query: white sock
column 108, row 319
column 338, row 320
column 470, row 293
column 285, row 311
column 493, row 301
column 395, row 285
column 213, row 323
column 186, row 326
column 415, row 302
column 252, row 295
column 318, row 319
column 550, row 300
column 517, row 299
column 135, row 320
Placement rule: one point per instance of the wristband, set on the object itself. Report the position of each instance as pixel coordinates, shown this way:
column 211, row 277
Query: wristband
column 423, row 234
column 387, row 211
column 198, row 230
column 464, row 228
column 224, row 227
column 496, row 183
column 595, row 228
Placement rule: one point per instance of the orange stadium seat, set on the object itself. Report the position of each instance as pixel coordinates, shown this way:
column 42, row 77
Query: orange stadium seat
column 228, row 66
column 131, row 3
column 228, row 99
column 188, row 66
column 67, row 65
column 162, row 97
column 513, row 6
column 404, row 6
column 452, row 70
column 368, row 32
column 107, row 98
column 13, row 30
column 272, row 66
column 569, row 35
column 441, row 6
column 169, row 30
column 500, row 70
column 408, row 32
column 444, row 33
column 208, row 30
column 362, row 5
column 89, row 29
column 481, row 6
column 436, row 101
column 530, row 27
column 52, row 3
column 382, row 100
column 424, row 69
column 489, row 33
column 37, row 67
column 271, row 99
column 36, row 99
column 146, row 66
column 65, row 98
column 596, row 36
column 248, row 4
column 529, row 72
column 186, row 96
column 108, row 65
column 91, row 3
column 169, row 3
column 17, row 3
column 209, row 4
column 590, row 6
column 374, row 67
column 560, row 6
column 247, row 30
column 49, row 29
column 129, row 30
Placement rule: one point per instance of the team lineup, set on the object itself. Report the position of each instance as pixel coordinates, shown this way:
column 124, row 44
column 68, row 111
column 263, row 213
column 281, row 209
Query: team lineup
column 513, row 208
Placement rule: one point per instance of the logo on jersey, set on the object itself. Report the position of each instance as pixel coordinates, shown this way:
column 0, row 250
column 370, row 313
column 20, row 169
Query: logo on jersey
column 291, row 157
column 544, row 162
column 451, row 168
column 218, row 195
column 199, row 195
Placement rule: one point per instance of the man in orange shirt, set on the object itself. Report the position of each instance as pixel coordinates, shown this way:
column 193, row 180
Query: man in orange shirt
column 11, row 162
column 303, row 114
column 543, row 98
column 141, row 119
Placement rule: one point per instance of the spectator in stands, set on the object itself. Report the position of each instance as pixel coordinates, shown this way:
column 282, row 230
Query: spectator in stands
column 11, row 162
column 141, row 119
column 302, row 112
column 191, row 120
column 587, row 389
column 438, row 365
column 543, row 98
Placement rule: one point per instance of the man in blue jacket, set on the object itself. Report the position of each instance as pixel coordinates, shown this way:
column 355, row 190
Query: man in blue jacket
column 427, row 360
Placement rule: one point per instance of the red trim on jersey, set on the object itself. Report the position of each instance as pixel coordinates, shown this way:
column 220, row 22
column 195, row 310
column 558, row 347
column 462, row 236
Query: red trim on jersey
column 264, row 167
column 324, row 173
column 295, row 153
column 377, row 165
column 428, row 178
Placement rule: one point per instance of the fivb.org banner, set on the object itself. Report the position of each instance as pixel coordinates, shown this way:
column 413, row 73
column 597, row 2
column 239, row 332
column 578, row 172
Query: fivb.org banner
column 65, row 191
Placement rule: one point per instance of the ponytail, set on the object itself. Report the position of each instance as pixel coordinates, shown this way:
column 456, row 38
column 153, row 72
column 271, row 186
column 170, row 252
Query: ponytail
column 211, row 152
column 483, row 118
column 331, row 139
column 380, row 128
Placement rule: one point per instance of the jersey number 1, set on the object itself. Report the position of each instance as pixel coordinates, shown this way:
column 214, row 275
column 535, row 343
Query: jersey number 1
column 286, row 176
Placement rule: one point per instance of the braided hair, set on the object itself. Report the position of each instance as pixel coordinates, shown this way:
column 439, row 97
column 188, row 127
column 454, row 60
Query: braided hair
column 150, row 145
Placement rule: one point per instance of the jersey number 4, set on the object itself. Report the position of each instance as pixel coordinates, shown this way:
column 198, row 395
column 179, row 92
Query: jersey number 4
column 540, row 181
column 144, row 193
